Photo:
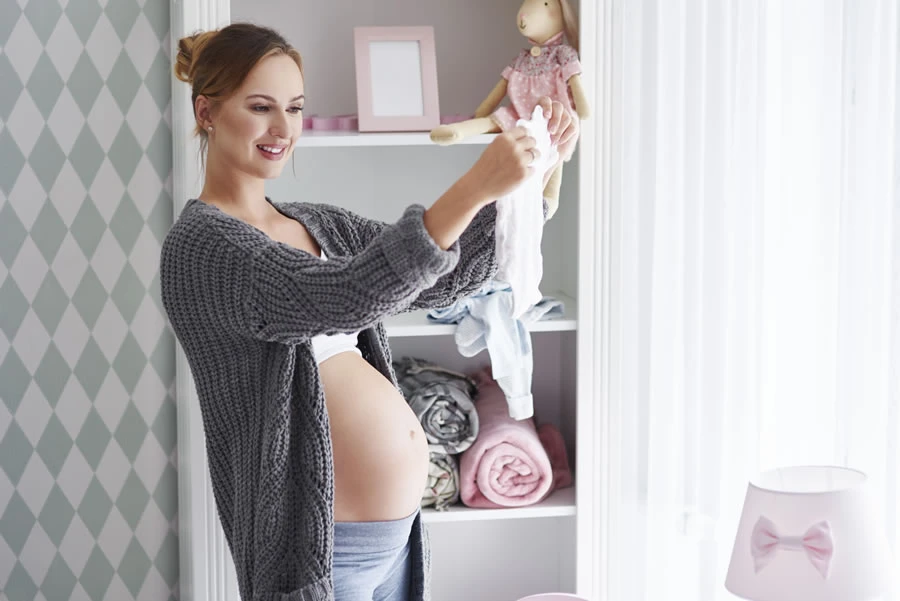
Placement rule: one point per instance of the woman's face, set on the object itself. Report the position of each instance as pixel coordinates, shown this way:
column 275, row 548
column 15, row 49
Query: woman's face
column 256, row 128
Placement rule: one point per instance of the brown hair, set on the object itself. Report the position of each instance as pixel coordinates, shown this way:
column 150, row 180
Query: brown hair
column 216, row 63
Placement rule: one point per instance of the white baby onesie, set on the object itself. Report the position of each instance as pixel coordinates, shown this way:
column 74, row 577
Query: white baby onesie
column 520, row 223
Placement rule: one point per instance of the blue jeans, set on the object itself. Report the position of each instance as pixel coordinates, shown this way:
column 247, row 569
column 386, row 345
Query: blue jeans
column 371, row 560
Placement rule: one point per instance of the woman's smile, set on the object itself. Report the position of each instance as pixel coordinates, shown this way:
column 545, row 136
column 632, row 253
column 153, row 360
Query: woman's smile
column 272, row 153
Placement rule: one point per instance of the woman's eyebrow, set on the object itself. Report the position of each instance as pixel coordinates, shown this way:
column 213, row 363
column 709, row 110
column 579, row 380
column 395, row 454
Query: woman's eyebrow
column 270, row 99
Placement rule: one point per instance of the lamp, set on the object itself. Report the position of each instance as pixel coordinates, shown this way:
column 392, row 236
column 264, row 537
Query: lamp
column 809, row 533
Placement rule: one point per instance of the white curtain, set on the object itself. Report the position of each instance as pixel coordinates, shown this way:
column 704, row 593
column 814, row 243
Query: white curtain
column 755, row 206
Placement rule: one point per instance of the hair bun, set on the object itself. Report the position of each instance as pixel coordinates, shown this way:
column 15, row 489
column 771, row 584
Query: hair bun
column 189, row 48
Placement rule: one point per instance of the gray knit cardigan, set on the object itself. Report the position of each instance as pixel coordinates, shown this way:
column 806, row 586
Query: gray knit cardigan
column 244, row 308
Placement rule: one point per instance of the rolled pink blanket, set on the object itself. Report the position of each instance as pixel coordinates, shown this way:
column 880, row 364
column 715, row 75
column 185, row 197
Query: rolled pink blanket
column 555, row 445
column 507, row 465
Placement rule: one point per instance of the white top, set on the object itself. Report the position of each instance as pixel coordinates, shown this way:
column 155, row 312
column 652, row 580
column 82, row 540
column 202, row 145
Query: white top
column 327, row 346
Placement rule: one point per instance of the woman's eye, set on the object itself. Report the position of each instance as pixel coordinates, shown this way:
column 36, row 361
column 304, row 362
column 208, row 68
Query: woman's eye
column 260, row 108
column 296, row 109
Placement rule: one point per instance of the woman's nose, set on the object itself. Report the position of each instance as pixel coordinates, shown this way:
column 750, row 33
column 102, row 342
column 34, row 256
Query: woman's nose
column 280, row 128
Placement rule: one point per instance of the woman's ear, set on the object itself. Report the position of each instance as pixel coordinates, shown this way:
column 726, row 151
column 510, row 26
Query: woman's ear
column 203, row 111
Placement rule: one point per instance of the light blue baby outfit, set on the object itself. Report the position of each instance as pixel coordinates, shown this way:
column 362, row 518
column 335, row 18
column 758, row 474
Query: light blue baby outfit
column 485, row 322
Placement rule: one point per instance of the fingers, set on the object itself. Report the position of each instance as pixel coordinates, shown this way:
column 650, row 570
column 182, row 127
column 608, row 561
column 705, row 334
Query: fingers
column 547, row 106
column 522, row 140
column 527, row 146
column 567, row 134
column 554, row 114
column 559, row 120
column 559, row 125
column 517, row 133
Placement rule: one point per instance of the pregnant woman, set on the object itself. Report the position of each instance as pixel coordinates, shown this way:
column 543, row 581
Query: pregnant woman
column 317, row 463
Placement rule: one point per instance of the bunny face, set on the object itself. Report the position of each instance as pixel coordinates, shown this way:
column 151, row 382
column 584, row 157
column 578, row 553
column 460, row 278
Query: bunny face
column 540, row 20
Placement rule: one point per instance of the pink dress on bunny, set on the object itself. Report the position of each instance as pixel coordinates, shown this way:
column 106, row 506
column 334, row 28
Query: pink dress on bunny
column 530, row 78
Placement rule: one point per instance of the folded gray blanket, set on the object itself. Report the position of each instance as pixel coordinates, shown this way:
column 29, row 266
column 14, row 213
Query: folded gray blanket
column 442, row 401
column 442, row 489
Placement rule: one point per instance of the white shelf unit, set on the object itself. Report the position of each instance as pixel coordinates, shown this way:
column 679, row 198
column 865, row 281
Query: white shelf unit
column 560, row 503
column 557, row 545
column 321, row 138
column 417, row 323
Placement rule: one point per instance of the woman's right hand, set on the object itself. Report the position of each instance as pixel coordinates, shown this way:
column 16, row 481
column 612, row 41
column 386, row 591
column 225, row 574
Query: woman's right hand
column 504, row 164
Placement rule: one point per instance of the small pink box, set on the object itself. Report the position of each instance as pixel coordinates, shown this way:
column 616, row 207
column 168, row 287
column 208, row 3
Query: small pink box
column 348, row 122
column 324, row 123
column 334, row 123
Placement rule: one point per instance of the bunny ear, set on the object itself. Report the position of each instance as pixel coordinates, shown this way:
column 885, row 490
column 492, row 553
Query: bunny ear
column 570, row 22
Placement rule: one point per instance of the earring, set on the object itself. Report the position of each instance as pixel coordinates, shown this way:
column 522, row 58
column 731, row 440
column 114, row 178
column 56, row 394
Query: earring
column 210, row 128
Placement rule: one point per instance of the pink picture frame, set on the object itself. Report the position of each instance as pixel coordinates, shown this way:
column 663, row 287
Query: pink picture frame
column 396, row 79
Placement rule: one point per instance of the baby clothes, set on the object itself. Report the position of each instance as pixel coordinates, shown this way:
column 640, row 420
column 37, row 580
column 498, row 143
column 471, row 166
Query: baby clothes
column 442, row 401
column 442, row 488
column 520, row 223
column 484, row 322
column 530, row 78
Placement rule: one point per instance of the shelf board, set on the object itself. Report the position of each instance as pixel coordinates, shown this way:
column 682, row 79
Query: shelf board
column 319, row 138
column 416, row 323
column 559, row 504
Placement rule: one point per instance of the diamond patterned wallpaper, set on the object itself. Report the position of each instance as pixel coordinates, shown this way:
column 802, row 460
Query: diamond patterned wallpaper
column 88, row 487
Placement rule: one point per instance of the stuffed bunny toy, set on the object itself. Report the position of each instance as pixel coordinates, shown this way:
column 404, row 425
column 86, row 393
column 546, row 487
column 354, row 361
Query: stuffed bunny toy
column 550, row 67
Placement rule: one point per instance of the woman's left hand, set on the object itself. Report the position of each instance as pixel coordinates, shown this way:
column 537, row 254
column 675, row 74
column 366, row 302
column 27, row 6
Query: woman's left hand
column 563, row 128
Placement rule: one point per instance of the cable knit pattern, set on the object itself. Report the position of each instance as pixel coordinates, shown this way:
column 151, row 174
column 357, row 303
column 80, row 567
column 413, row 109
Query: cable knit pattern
column 244, row 308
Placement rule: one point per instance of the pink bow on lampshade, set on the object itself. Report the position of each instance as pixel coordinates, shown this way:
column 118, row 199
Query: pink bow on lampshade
column 816, row 542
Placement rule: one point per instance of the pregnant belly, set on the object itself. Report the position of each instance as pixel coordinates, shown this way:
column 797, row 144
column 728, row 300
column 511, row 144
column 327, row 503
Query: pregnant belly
column 380, row 451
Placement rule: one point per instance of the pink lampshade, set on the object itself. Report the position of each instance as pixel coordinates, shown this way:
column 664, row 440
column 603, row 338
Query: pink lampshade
column 810, row 533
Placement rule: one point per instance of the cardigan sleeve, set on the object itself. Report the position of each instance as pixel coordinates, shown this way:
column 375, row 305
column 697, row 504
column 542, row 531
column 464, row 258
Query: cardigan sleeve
column 477, row 261
column 255, row 286
column 477, row 264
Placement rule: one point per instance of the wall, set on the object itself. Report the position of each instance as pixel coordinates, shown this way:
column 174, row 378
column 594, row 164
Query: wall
column 88, row 499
